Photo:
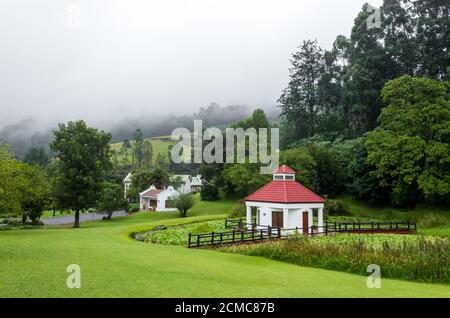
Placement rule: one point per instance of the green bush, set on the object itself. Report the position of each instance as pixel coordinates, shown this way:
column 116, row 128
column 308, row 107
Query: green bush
column 336, row 207
column 134, row 209
column 238, row 210
column 209, row 193
column 432, row 220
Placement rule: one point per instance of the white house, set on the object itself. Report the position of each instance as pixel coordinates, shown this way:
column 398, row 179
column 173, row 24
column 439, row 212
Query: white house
column 190, row 183
column 126, row 184
column 156, row 199
column 286, row 204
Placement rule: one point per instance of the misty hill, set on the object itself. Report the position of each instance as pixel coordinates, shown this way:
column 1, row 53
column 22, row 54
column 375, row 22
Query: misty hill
column 29, row 133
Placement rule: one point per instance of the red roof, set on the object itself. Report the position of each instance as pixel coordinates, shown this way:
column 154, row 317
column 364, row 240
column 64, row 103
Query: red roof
column 284, row 191
column 284, row 169
column 151, row 193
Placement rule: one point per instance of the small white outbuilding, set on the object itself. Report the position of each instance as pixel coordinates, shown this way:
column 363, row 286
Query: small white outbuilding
column 158, row 200
column 284, row 203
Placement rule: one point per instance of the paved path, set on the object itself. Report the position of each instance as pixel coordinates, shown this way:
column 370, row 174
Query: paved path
column 58, row 220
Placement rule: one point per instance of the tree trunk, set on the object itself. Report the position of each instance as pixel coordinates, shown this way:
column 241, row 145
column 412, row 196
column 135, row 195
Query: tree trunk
column 109, row 216
column 77, row 219
column 54, row 212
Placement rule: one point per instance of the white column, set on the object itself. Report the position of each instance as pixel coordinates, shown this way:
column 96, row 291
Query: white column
column 310, row 220
column 249, row 216
column 286, row 218
column 320, row 220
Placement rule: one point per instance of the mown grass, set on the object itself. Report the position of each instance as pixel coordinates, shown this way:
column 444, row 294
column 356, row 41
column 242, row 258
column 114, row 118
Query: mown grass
column 33, row 264
column 413, row 258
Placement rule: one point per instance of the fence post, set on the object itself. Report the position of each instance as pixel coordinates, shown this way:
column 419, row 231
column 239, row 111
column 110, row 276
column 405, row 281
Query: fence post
column 242, row 235
column 221, row 237
column 279, row 232
column 372, row 225
column 253, row 233
column 189, row 240
column 409, row 226
column 390, row 225
column 198, row 240
column 212, row 238
column 262, row 234
column 234, row 234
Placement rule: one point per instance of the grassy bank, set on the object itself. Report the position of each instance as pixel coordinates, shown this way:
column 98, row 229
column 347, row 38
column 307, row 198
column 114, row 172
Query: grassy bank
column 413, row 258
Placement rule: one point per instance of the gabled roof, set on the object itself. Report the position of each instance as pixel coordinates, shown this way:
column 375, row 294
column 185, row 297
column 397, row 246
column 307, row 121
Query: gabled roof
column 152, row 193
column 284, row 169
column 284, row 191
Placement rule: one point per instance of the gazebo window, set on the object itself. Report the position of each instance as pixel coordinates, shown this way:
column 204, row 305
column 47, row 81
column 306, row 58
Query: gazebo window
column 289, row 177
column 278, row 177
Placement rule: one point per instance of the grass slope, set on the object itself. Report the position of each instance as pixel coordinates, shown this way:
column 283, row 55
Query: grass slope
column 160, row 146
column 33, row 264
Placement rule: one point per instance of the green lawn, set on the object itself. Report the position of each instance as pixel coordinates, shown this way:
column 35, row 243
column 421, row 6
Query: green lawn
column 33, row 264
column 159, row 146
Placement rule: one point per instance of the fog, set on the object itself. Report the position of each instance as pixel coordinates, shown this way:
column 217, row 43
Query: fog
column 131, row 58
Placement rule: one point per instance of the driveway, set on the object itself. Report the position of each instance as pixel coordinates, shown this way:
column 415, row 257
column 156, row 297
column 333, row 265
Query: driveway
column 83, row 218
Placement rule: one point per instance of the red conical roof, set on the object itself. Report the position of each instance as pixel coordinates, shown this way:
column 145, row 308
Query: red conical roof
column 284, row 169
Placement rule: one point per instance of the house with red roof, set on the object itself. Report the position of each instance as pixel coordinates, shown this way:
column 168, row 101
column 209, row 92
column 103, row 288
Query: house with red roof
column 284, row 203
column 158, row 200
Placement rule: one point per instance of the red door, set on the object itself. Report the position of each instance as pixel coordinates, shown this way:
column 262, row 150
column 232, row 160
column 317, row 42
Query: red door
column 305, row 223
column 277, row 219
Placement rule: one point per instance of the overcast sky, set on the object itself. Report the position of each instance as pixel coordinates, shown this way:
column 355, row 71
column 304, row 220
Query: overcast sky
column 132, row 57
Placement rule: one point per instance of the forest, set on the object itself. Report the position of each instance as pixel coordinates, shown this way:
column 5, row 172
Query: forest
column 369, row 118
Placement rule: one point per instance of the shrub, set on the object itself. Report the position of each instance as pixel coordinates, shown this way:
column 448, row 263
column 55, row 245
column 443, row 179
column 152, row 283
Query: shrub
column 134, row 209
column 238, row 210
column 336, row 207
column 209, row 193
column 432, row 220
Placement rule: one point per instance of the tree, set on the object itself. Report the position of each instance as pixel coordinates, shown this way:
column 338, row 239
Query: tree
column 147, row 153
column 159, row 178
column 303, row 163
column 141, row 179
column 300, row 101
column 432, row 39
column 138, row 146
column 84, row 155
column 35, row 193
column 11, row 183
column 111, row 199
column 37, row 156
column 209, row 192
column 410, row 150
column 176, row 182
column 330, row 175
column 243, row 179
column 369, row 68
column 183, row 202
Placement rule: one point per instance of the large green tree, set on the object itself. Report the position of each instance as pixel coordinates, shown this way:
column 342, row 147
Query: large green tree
column 300, row 101
column 84, row 155
column 411, row 148
column 111, row 199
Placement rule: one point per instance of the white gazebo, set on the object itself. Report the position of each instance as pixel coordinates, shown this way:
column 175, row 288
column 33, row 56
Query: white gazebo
column 284, row 203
